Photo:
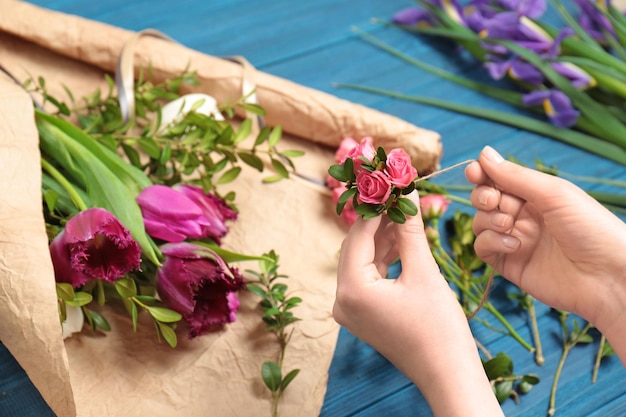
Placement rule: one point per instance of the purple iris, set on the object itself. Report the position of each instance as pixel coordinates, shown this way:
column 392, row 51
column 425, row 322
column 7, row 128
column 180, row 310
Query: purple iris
column 593, row 20
column 198, row 284
column 93, row 245
column 556, row 104
column 413, row 16
column 516, row 69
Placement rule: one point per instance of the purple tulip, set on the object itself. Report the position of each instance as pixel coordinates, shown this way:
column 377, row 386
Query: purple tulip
column 198, row 284
column 556, row 104
column 413, row 16
column 93, row 245
column 215, row 210
column 177, row 214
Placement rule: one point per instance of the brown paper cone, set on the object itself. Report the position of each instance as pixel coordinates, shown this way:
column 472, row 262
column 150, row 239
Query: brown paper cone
column 301, row 111
column 30, row 320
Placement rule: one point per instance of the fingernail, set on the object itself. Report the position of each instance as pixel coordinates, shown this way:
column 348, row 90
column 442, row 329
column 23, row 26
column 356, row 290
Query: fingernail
column 499, row 219
column 510, row 241
column 483, row 197
column 492, row 155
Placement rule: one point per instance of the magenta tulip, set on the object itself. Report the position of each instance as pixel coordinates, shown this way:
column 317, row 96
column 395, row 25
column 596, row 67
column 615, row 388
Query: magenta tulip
column 214, row 209
column 93, row 245
column 198, row 284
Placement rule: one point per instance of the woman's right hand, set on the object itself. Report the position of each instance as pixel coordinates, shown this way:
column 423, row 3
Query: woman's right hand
column 552, row 240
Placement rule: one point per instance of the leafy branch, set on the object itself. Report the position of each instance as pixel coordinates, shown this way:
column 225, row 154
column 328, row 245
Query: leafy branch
column 277, row 314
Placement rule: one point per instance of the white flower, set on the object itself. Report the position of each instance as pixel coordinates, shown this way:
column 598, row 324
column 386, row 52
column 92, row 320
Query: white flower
column 175, row 110
column 73, row 321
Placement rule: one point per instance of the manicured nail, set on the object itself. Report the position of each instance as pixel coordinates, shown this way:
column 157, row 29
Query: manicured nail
column 492, row 155
column 510, row 241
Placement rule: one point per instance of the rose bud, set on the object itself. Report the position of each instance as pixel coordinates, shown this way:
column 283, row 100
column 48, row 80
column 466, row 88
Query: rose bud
column 346, row 145
column 93, row 245
column 198, row 284
column 374, row 187
column 170, row 215
column 214, row 209
column 364, row 149
column 433, row 206
column 399, row 168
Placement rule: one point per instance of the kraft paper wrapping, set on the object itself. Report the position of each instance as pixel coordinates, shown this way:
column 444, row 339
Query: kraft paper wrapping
column 301, row 111
column 130, row 374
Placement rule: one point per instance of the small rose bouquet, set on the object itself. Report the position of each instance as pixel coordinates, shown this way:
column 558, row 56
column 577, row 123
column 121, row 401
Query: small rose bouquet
column 375, row 181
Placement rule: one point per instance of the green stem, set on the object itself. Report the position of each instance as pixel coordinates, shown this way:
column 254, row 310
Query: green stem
column 596, row 365
column 487, row 305
column 567, row 346
column 539, row 359
column 69, row 188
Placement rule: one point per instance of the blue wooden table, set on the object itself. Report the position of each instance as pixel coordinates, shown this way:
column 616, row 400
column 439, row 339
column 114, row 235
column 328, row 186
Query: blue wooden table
column 312, row 43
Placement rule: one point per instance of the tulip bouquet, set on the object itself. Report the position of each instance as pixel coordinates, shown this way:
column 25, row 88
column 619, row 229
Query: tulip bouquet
column 134, row 210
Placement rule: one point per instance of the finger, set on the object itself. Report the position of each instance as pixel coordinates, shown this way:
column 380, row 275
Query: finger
column 495, row 220
column 413, row 247
column 489, row 244
column 476, row 174
column 488, row 198
column 524, row 183
column 357, row 252
column 386, row 248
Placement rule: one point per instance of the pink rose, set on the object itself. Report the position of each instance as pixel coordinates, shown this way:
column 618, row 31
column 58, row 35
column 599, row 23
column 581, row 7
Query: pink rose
column 399, row 168
column 433, row 206
column 348, row 214
column 364, row 149
column 374, row 187
column 346, row 145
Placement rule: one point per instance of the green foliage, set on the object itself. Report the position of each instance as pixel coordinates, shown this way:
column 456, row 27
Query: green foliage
column 276, row 306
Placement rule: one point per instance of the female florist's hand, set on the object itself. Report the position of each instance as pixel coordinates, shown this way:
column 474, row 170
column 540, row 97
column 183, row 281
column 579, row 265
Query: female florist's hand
column 553, row 240
column 415, row 321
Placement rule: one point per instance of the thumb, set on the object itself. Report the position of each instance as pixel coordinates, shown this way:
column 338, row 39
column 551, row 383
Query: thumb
column 525, row 183
column 412, row 243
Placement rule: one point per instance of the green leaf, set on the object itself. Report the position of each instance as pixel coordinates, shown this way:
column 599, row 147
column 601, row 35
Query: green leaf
column 244, row 131
column 407, row 206
column 272, row 376
column 280, row 168
column 80, row 299
column 503, row 390
column 273, row 178
column 230, row 256
column 99, row 321
column 229, row 176
column 288, row 378
column 292, row 153
column 396, row 215
column 337, row 172
column 253, row 108
column 168, row 334
column 531, row 379
column 256, row 290
column 348, row 170
column 499, row 366
column 126, row 287
column 164, row 315
column 65, row 291
column 251, row 160
column 88, row 166
column 150, row 147
column 275, row 136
